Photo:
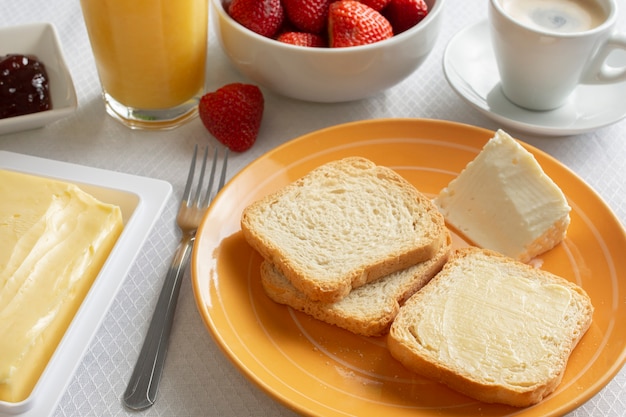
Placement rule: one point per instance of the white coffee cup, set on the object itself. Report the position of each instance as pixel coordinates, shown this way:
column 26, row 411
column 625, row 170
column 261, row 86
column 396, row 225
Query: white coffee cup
column 545, row 48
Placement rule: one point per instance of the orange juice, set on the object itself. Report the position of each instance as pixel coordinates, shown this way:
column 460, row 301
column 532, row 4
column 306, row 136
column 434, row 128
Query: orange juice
column 150, row 54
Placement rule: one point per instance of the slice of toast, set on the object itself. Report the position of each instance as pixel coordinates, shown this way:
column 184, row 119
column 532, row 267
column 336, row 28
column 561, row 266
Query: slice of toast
column 344, row 224
column 367, row 310
column 492, row 328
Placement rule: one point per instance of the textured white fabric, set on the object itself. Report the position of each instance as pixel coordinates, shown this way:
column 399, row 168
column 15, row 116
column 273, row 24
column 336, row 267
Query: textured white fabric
column 199, row 380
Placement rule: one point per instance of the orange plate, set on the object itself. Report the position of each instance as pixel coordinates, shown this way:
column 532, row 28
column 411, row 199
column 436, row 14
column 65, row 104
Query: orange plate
column 318, row 369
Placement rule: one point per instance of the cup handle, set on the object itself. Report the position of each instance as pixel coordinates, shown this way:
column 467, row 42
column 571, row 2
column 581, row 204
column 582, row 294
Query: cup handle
column 600, row 72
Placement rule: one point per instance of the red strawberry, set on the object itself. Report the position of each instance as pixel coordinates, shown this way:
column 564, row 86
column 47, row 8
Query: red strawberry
column 302, row 39
column 351, row 23
column 404, row 14
column 377, row 5
column 261, row 16
column 233, row 114
column 307, row 15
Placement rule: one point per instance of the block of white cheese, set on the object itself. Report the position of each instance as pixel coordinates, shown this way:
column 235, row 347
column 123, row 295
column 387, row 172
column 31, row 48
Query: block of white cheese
column 54, row 239
column 504, row 201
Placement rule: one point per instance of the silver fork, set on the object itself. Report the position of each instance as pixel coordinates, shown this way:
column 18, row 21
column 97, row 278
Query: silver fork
column 143, row 384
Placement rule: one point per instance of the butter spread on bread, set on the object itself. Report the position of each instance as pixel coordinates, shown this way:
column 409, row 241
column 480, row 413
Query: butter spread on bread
column 54, row 238
column 492, row 328
column 504, row 201
column 367, row 310
column 344, row 224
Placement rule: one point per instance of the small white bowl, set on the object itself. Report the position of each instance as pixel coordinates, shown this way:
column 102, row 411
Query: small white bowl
column 327, row 74
column 41, row 40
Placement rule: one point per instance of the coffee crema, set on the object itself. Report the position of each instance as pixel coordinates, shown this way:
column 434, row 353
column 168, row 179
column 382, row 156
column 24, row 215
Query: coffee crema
column 559, row 16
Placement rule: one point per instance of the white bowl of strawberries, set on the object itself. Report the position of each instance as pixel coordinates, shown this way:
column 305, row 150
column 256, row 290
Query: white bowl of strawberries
column 327, row 50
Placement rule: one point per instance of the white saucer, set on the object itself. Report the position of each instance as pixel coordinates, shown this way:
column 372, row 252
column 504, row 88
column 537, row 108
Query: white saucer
column 470, row 68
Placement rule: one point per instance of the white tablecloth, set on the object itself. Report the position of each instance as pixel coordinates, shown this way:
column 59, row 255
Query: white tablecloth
column 199, row 379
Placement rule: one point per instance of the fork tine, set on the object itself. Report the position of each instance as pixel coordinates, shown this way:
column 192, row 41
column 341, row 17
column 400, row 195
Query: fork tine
column 207, row 196
column 196, row 200
column 192, row 168
column 223, row 175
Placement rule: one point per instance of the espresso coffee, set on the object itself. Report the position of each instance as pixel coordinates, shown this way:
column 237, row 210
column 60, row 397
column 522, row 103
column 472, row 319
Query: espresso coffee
column 558, row 16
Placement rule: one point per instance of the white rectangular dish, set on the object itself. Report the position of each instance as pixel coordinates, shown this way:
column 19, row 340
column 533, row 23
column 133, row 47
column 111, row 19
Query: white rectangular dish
column 141, row 201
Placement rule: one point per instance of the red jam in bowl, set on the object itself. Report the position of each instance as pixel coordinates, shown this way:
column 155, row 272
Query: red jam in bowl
column 23, row 86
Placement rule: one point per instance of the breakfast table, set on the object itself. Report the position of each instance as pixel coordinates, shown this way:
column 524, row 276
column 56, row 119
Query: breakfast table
column 199, row 379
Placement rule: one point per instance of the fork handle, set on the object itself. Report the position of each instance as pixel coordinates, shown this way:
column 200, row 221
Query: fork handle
column 142, row 387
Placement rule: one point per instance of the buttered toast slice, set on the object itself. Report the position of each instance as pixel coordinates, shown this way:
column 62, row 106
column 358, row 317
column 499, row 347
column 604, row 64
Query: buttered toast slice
column 367, row 310
column 344, row 224
column 492, row 328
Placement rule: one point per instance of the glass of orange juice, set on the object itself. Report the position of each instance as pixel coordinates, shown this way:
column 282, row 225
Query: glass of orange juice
column 150, row 56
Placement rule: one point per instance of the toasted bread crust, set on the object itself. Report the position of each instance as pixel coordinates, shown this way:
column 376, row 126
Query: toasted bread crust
column 344, row 224
column 415, row 351
column 368, row 310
